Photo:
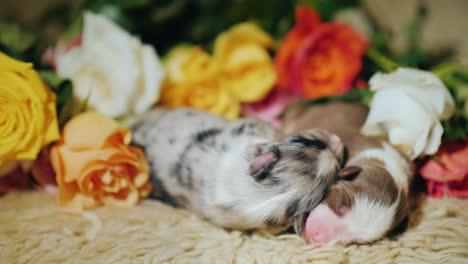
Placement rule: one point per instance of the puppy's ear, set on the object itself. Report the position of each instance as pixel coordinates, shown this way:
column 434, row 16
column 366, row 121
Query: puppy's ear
column 349, row 173
column 262, row 164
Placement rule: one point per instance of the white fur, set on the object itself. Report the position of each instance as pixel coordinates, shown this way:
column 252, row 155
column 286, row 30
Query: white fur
column 241, row 193
column 368, row 220
column 326, row 158
column 371, row 219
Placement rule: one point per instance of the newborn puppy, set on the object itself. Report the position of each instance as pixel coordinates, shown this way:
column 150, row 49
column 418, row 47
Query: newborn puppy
column 371, row 199
column 238, row 174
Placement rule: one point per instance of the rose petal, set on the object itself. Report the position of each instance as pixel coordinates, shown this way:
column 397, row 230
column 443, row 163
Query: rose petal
column 244, row 34
column 76, row 163
column 125, row 198
column 91, row 130
column 318, row 59
column 42, row 170
column 112, row 70
column 409, row 136
column 270, row 108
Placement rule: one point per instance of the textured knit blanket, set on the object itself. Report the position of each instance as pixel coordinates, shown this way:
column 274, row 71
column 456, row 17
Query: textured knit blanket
column 33, row 229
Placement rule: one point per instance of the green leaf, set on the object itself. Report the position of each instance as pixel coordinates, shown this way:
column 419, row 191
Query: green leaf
column 384, row 63
column 118, row 3
column 415, row 55
column 14, row 40
column 354, row 95
column 362, row 96
column 65, row 102
column 328, row 8
column 455, row 128
column 52, row 79
column 74, row 29
column 446, row 69
column 129, row 3
column 64, row 95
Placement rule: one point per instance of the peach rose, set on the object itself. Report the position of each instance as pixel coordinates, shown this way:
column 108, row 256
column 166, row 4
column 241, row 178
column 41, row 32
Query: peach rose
column 94, row 164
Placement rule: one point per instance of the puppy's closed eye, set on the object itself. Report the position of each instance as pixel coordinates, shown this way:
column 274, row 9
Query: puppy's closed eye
column 349, row 173
column 307, row 142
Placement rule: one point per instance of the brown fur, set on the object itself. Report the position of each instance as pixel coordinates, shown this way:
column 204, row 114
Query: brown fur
column 341, row 119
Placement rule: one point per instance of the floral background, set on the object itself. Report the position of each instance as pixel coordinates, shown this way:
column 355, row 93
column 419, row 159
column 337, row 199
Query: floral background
column 74, row 74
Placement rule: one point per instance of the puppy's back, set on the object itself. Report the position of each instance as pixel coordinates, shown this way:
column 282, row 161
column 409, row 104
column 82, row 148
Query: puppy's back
column 342, row 119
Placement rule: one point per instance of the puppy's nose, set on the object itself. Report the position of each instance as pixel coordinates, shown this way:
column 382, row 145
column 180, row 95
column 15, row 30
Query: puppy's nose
column 323, row 226
column 335, row 144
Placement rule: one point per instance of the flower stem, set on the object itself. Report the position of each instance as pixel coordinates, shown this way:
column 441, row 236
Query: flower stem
column 382, row 61
column 445, row 69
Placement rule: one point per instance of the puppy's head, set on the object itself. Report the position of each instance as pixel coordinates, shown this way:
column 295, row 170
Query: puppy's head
column 365, row 205
column 299, row 168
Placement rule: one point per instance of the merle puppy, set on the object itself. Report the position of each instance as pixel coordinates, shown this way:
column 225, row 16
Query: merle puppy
column 240, row 174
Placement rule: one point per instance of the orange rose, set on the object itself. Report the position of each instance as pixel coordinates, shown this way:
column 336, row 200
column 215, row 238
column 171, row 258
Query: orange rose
column 318, row 59
column 94, row 164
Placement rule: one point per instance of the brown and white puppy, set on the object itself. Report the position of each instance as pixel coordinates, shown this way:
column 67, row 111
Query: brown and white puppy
column 371, row 200
column 238, row 174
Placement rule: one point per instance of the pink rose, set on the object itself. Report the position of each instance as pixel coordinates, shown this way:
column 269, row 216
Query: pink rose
column 43, row 173
column 447, row 172
column 51, row 54
column 23, row 175
column 269, row 108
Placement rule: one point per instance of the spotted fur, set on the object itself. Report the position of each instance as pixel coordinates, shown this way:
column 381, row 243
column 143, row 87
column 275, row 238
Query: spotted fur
column 240, row 174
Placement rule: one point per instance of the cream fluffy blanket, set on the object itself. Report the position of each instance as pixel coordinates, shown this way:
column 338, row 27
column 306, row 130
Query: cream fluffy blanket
column 34, row 230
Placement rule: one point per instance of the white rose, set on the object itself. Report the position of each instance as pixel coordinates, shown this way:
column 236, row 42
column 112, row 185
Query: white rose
column 112, row 70
column 407, row 106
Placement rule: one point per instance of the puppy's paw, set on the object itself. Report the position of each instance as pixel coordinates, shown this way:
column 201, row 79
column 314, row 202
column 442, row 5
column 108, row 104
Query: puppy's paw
column 264, row 161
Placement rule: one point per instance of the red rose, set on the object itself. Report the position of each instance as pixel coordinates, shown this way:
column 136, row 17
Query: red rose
column 318, row 59
column 447, row 172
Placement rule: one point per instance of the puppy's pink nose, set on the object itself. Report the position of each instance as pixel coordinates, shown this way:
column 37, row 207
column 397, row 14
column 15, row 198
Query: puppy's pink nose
column 335, row 144
column 322, row 226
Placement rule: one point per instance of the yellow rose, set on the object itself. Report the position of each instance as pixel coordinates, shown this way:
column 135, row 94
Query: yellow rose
column 208, row 96
column 28, row 118
column 246, row 66
column 239, row 71
column 190, row 64
column 193, row 80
